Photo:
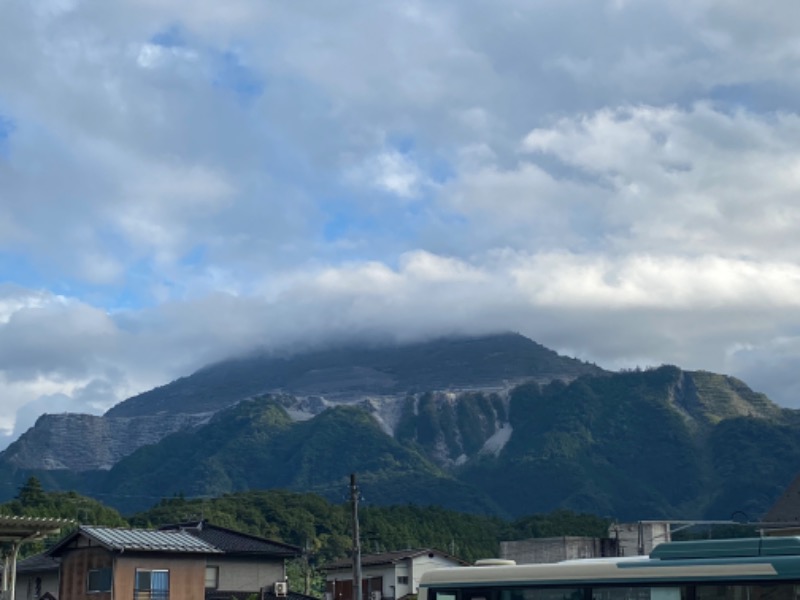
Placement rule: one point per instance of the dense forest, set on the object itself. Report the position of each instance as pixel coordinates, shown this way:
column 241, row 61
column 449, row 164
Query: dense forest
column 320, row 528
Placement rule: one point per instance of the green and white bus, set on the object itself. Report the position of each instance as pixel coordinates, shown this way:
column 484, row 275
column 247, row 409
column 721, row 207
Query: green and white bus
column 737, row 569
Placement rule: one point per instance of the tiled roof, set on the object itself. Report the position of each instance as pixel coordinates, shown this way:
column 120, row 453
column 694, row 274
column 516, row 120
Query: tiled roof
column 38, row 563
column 235, row 542
column 386, row 558
column 140, row 540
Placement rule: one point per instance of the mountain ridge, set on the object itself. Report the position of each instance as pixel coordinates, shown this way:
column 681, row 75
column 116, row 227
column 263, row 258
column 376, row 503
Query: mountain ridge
column 351, row 371
column 653, row 443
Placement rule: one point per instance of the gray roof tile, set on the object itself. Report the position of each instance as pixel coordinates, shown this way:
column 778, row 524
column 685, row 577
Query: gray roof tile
column 386, row 558
column 141, row 540
column 236, row 542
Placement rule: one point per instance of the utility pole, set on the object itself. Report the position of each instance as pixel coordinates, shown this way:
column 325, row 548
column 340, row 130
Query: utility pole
column 356, row 540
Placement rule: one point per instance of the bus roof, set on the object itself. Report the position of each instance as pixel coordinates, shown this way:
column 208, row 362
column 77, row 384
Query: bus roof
column 707, row 560
column 742, row 547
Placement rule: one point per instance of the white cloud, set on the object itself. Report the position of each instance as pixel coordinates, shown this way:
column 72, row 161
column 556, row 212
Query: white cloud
column 183, row 180
column 152, row 56
column 392, row 172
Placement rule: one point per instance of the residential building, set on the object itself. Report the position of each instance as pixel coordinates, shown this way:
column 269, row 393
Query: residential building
column 37, row 578
column 248, row 564
column 185, row 561
column 385, row 576
column 101, row 563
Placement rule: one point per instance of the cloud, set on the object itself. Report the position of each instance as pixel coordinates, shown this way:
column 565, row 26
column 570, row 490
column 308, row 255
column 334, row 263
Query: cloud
column 390, row 171
column 182, row 181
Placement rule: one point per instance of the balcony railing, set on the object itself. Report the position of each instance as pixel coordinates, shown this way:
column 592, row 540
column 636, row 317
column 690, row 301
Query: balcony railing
column 151, row 595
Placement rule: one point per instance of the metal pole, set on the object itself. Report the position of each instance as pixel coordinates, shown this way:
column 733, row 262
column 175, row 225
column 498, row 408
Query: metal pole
column 356, row 540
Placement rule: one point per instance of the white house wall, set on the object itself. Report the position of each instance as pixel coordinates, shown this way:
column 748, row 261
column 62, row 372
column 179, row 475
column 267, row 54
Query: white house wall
column 423, row 564
column 402, row 570
column 391, row 588
column 26, row 585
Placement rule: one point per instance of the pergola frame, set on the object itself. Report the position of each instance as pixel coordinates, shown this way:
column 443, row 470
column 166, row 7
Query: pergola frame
column 16, row 531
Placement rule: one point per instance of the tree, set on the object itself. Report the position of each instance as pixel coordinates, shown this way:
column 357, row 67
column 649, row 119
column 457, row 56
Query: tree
column 32, row 494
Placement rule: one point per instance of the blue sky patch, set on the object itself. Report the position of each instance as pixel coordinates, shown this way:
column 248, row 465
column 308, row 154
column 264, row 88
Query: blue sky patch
column 7, row 127
column 232, row 74
column 173, row 37
column 196, row 257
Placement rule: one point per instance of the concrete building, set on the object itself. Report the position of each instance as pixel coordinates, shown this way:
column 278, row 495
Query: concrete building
column 385, row 576
column 555, row 549
column 624, row 539
column 635, row 539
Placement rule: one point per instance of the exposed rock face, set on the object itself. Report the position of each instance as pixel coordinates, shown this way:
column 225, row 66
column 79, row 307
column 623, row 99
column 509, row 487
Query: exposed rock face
column 349, row 374
column 458, row 389
column 87, row 442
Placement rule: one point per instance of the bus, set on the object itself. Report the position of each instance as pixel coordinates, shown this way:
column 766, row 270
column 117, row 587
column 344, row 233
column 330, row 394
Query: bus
column 735, row 569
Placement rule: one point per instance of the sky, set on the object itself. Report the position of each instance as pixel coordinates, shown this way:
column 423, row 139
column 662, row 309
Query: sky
column 184, row 180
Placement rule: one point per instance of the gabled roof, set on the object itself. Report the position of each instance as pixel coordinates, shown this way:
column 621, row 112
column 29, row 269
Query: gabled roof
column 235, row 542
column 38, row 563
column 787, row 508
column 388, row 558
column 138, row 540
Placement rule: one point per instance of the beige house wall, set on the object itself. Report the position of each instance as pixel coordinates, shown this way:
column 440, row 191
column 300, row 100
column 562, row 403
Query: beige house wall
column 186, row 576
column 247, row 575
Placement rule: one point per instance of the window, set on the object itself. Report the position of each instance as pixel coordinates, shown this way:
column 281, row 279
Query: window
column 641, row 592
column 98, row 580
column 151, row 585
column 542, row 593
column 778, row 591
column 402, row 579
column 212, row 577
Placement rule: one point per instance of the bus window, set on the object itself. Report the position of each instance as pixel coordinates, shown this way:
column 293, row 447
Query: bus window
column 784, row 591
column 668, row 593
column 445, row 596
column 638, row 593
column 542, row 594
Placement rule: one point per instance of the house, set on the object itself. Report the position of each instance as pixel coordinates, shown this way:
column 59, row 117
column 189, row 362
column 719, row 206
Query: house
column 37, row 578
column 385, row 576
column 101, row 563
column 185, row 561
column 248, row 564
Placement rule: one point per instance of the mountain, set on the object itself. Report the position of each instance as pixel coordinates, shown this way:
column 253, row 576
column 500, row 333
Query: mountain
column 89, row 442
column 494, row 425
column 662, row 442
column 256, row 445
column 350, row 373
column 380, row 376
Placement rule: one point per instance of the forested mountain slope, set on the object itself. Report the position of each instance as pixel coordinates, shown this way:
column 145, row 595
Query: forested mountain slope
column 641, row 444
